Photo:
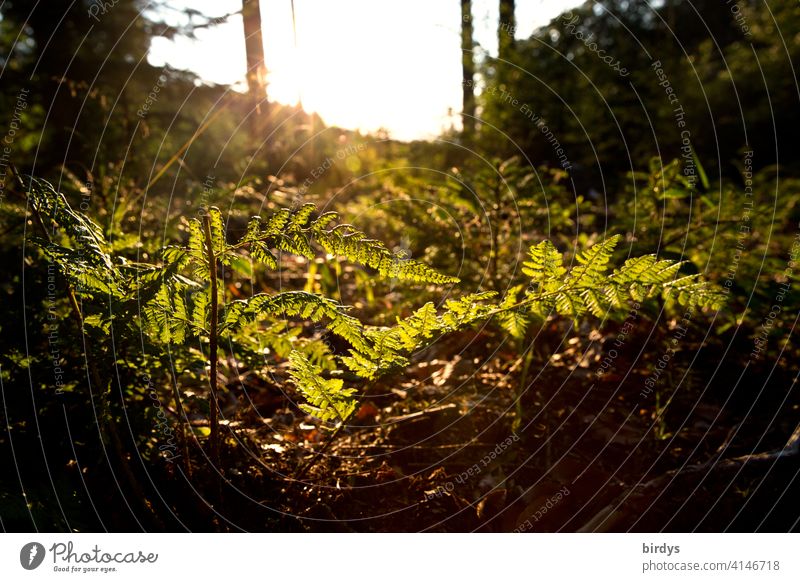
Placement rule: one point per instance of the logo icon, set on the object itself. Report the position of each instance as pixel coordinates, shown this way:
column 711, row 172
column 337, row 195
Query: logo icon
column 31, row 555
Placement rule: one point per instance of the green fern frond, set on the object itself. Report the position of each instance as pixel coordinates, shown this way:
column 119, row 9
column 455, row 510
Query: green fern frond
column 691, row 291
column 647, row 270
column 545, row 266
column 217, row 231
column 513, row 319
column 78, row 249
column 593, row 263
column 277, row 222
column 345, row 241
column 323, row 221
column 318, row 354
column 294, row 232
column 420, row 326
column 174, row 255
column 326, row 399
column 196, row 254
column 200, row 310
column 301, row 217
column 165, row 316
column 261, row 254
column 570, row 304
column 596, row 302
column 389, row 348
column 297, row 303
column 371, row 366
column 588, row 287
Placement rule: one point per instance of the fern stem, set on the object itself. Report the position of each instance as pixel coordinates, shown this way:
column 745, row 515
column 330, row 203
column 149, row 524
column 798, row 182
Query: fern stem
column 213, row 409
column 522, row 387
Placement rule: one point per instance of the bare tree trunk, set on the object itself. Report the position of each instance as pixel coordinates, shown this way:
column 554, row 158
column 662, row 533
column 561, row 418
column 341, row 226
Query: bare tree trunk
column 468, row 69
column 506, row 29
column 254, row 46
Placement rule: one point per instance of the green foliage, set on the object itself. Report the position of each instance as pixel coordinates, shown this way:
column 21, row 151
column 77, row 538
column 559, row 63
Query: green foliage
column 294, row 232
column 514, row 321
column 327, row 399
column 588, row 287
column 544, row 267
column 176, row 302
column 77, row 246
column 309, row 306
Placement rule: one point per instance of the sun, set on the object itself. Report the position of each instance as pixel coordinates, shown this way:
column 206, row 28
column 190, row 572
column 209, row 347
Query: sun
column 356, row 64
column 359, row 65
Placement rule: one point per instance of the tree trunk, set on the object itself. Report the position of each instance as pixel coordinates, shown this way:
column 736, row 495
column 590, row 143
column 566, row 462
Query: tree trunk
column 468, row 69
column 254, row 46
column 506, row 29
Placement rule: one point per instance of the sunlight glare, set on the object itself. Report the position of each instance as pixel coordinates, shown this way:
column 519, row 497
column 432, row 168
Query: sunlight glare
column 358, row 65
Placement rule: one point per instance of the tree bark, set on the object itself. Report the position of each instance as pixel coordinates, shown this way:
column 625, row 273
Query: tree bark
column 254, row 47
column 467, row 69
column 506, row 28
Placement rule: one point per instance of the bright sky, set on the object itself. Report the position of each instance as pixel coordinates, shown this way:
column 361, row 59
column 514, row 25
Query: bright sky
column 358, row 64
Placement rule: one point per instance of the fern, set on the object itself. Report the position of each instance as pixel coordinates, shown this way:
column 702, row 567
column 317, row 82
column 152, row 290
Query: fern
column 390, row 347
column 589, row 288
column 514, row 320
column 165, row 317
column 544, row 267
column 295, row 232
column 327, row 399
column 297, row 303
column 177, row 304
column 77, row 246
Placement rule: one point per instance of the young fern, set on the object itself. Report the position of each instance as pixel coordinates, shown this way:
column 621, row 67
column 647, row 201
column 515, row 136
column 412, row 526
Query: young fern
column 79, row 248
column 295, row 232
column 179, row 302
column 327, row 399
column 302, row 304
column 586, row 288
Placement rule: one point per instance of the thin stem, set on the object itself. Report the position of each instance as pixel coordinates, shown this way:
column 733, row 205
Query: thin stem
column 212, row 356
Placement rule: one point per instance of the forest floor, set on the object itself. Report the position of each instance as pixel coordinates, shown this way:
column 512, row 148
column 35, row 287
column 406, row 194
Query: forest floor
column 437, row 448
